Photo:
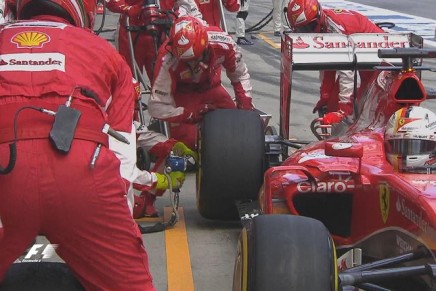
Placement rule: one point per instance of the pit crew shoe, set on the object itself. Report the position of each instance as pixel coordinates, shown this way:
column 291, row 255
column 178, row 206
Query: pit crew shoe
column 244, row 41
column 142, row 209
column 277, row 33
column 149, row 209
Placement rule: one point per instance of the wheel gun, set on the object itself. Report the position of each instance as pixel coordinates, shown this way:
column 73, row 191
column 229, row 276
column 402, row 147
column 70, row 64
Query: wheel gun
column 175, row 163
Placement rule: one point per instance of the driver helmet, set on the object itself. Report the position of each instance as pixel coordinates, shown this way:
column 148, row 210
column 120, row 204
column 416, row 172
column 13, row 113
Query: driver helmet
column 305, row 16
column 80, row 13
column 410, row 138
column 188, row 38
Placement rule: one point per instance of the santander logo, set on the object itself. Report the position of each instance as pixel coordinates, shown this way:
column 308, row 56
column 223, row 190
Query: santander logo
column 183, row 40
column 296, row 7
column 319, row 42
column 300, row 44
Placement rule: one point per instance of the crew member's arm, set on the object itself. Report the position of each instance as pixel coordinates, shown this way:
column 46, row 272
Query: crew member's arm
column 120, row 6
column 237, row 72
column 327, row 89
column 346, row 91
column 161, row 104
column 232, row 5
column 187, row 7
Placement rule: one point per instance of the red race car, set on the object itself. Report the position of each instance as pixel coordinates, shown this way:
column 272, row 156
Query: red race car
column 338, row 213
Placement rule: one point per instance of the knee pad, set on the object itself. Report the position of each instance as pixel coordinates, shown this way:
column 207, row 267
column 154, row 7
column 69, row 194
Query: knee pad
column 242, row 14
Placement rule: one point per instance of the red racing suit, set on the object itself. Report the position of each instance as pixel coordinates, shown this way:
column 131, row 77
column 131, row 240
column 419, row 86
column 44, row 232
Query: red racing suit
column 211, row 10
column 80, row 208
column 179, row 91
column 337, row 87
column 145, row 55
column 144, row 46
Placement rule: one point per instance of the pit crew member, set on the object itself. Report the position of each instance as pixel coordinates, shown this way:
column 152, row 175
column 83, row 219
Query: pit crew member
column 240, row 24
column 210, row 9
column 144, row 43
column 307, row 16
column 187, row 81
column 159, row 147
column 69, row 178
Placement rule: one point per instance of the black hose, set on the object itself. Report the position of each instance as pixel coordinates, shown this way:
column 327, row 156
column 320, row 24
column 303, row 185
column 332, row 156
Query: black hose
column 258, row 25
column 13, row 146
column 100, row 29
column 160, row 226
column 12, row 159
column 255, row 28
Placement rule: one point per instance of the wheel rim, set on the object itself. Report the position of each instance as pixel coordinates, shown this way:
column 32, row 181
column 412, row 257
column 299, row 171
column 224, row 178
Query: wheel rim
column 241, row 264
column 335, row 267
column 198, row 171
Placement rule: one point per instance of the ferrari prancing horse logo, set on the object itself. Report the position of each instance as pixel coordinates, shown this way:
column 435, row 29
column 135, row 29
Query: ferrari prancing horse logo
column 384, row 195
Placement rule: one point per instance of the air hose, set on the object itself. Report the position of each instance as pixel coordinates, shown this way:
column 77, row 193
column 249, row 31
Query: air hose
column 258, row 26
column 12, row 159
column 173, row 163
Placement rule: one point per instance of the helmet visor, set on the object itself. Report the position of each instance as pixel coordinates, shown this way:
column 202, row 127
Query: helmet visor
column 410, row 146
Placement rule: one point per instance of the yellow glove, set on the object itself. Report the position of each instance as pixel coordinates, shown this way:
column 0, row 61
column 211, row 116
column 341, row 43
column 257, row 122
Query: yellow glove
column 181, row 150
column 177, row 179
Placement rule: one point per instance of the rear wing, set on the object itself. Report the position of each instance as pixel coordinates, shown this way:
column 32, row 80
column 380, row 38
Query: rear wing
column 331, row 51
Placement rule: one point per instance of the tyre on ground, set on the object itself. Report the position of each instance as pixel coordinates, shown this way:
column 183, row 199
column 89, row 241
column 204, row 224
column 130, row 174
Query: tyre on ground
column 231, row 148
column 40, row 276
column 285, row 252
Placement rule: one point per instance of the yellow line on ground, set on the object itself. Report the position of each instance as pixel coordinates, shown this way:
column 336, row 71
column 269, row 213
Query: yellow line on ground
column 269, row 41
column 148, row 219
column 177, row 249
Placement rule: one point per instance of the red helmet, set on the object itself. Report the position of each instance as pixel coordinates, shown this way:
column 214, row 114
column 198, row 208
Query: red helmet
column 80, row 13
column 304, row 15
column 188, row 38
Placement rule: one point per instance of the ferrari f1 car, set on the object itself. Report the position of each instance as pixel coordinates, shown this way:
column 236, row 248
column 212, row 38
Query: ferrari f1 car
column 335, row 214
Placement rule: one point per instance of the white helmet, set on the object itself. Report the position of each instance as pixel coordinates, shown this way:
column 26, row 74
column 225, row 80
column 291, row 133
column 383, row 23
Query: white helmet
column 410, row 138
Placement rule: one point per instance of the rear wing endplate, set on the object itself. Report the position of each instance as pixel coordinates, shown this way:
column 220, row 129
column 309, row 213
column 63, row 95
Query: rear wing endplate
column 332, row 51
column 310, row 51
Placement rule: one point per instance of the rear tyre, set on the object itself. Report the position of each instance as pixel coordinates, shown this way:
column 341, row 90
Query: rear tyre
column 40, row 276
column 284, row 252
column 231, row 147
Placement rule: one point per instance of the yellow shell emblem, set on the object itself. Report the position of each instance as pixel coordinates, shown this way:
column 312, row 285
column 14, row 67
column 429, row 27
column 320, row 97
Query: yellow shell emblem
column 29, row 39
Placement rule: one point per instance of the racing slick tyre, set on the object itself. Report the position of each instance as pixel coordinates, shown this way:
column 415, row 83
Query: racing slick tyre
column 40, row 276
column 285, row 252
column 231, row 164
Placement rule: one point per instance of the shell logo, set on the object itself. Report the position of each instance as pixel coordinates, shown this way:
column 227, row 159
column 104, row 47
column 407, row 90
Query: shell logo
column 29, row 39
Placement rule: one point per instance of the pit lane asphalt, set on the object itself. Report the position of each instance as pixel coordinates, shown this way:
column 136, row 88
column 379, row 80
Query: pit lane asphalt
column 212, row 245
column 198, row 254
